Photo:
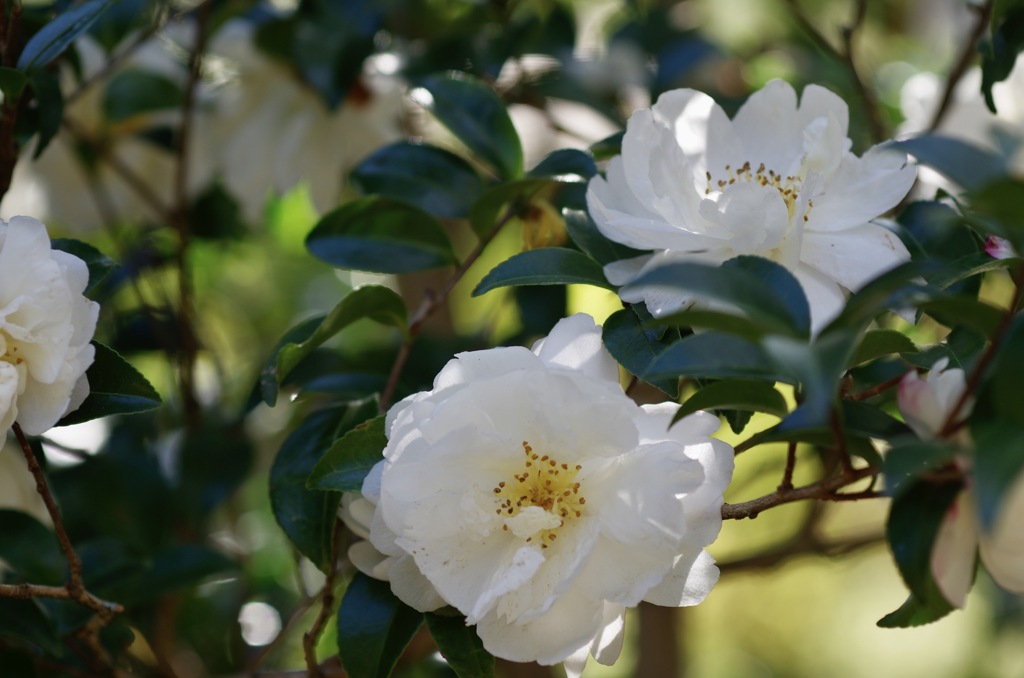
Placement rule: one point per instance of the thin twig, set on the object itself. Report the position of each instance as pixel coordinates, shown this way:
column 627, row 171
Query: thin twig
column 823, row 489
column 787, row 474
column 967, row 54
column 876, row 389
column 310, row 638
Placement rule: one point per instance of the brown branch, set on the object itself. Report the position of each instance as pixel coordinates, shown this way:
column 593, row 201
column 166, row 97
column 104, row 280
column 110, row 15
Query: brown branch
column 967, row 52
column 75, row 587
column 787, row 474
column 823, row 489
column 879, row 130
column 310, row 638
column 433, row 301
column 812, row 546
column 876, row 389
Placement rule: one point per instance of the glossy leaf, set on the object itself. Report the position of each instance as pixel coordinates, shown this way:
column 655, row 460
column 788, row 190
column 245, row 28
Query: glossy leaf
column 382, row 236
column 51, row 40
column 30, row 548
column 761, row 290
column 374, row 627
column 585, row 234
column 878, row 343
column 998, row 465
column 963, row 163
column 476, row 116
column 100, row 265
column 115, row 387
column 735, row 394
column 375, row 302
column 433, row 179
column 135, row 92
column 566, row 162
column 714, row 355
column 906, row 463
column 512, row 195
column 635, row 345
column 460, row 645
column 915, row 612
column 345, row 464
column 544, row 266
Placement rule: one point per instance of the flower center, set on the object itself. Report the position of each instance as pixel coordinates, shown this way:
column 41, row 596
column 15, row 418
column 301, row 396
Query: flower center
column 540, row 499
column 788, row 187
column 9, row 351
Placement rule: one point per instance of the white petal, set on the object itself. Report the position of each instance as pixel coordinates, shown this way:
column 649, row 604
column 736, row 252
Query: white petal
column 1002, row 550
column 818, row 102
column 855, row 256
column 862, row 189
column 575, row 343
column 8, row 395
column 768, row 125
column 824, row 296
column 411, row 587
column 369, row 560
column 955, row 550
column 691, row 579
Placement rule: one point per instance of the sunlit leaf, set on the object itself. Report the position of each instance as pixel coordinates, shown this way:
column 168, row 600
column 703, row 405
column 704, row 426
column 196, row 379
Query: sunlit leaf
column 345, row 464
column 735, row 394
column 635, row 345
column 544, row 266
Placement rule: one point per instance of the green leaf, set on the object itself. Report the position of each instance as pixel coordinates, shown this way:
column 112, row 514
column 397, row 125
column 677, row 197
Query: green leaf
column 740, row 326
column 544, row 266
column 460, row 646
column 375, row 302
column 609, row 147
column 585, row 234
column 895, row 288
column 215, row 215
column 714, row 355
column 382, row 236
column 49, row 110
column 99, row 264
column 51, row 40
column 307, row 517
column 516, row 195
column 476, row 116
column 214, row 460
column 374, row 628
column 345, row 464
column 999, row 51
column 906, row 463
column 635, row 345
column 764, row 291
column 878, row 343
column 433, row 179
column 115, row 387
column 998, row 465
column 915, row 612
column 170, row 569
column 30, row 548
column 1002, row 394
column 914, row 521
column 954, row 311
column 566, row 162
column 963, row 163
column 12, row 84
column 735, row 394
column 24, row 624
column 135, row 92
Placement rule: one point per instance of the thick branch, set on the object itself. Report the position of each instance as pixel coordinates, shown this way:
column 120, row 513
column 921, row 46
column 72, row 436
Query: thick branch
column 823, row 489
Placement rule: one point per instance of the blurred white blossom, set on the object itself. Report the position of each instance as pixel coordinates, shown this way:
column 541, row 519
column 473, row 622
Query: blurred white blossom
column 926, row 405
column 526, row 490
column 46, row 325
column 17, row 486
column 777, row 181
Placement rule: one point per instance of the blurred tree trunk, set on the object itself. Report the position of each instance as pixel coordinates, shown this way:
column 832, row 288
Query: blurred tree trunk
column 659, row 651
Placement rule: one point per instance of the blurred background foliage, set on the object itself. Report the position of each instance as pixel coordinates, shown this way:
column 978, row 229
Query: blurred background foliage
column 170, row 510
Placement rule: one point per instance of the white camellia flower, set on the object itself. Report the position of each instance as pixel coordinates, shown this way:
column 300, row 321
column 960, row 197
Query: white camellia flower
column 777, row 181
column 46, row 325
column 925, row 405
column 526, row 490
column 17, row 486
column 273, row 131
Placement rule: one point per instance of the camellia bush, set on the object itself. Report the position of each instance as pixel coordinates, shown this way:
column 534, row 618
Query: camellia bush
column 446, row 338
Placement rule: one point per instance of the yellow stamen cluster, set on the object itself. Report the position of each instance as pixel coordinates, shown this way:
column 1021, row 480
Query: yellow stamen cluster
column 788, row 187
column 9, row 352
column 545, row 483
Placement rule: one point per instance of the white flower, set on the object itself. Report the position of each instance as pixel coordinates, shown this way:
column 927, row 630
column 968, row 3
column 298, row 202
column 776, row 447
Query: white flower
column 530, row 493
column 17, row 486
column 926, row 405
column 777, row 181
column 272, row 131
column 45, row 328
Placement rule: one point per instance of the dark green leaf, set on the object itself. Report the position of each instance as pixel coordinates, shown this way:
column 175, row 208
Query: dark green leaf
column 999, row 51
column 1003, row 395
column 895, row 288
column 374, row 627
column 878, row 343
column 30, row 548
column 735, row 394
column 382, row 236
column 306, row 516
column 913, row 525
column 714, row 355
column 906, row 463
column 915, row 612
column 12, row 84
column 740, row 326
column 345, row 464
column 460, row 646
column 608, row 147
column 954, row 311
column 544, row 266
column 115, row 387
column 635, row 345
column 585, row 234
column 215, row 215
column 52, row 39
column 566, row 162
column 100, row 265
column 135, row 92
column 762, row 290
column 172, row 568
column 998, row 464
column 375, row 302
column 969, row 166
column 516, row 195
column 214, row 460
column 477, row 117
column 49, row 110
column 23, row 623
column 433, row 179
